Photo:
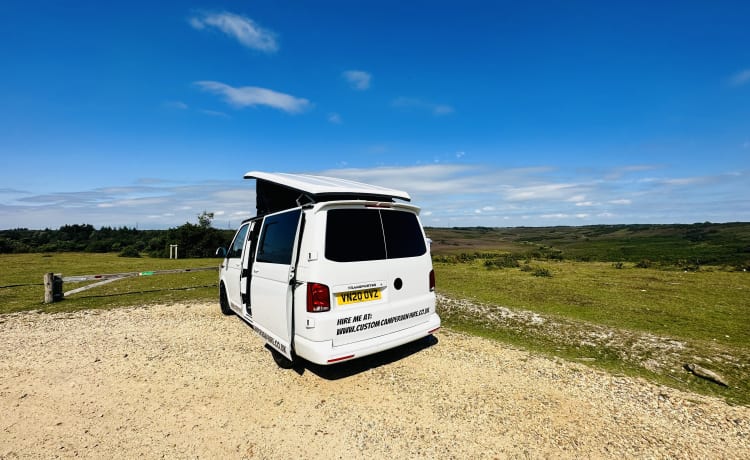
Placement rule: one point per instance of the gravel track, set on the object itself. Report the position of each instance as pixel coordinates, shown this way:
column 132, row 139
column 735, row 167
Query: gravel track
column 181, row 381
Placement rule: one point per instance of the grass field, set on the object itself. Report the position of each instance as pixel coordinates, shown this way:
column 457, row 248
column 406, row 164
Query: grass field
column 27, row 270
column 676, row 244
column 706, row 311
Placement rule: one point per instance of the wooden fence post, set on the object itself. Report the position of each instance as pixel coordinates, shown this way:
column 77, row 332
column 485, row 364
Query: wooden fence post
column 48, row 283
column 53, row 288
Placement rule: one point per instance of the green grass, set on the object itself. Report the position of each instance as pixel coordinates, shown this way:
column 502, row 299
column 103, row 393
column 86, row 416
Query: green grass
column 677, row 244
column 703, row 305
column 709, row 310
column 28, row 270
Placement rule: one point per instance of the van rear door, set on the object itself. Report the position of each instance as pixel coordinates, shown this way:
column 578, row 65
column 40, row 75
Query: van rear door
column 379, row 269
column 272, row 271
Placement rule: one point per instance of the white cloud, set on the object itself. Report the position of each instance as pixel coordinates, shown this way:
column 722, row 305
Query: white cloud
column 179, row 105
column 441, row 109
column 335, row 118
column 448, row 194
column 358, row 79
column 241, row 28
column 617, row 173
column 740, row 78
column 214, row 113
column 409, row 103
column 537, row 192
column 680, row 181
column 250, row 96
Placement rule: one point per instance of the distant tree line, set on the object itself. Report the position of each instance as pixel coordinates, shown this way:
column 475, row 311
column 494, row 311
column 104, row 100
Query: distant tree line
column 194, row 240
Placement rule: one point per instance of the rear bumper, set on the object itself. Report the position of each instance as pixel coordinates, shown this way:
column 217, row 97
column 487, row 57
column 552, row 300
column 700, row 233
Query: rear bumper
column 325, row 353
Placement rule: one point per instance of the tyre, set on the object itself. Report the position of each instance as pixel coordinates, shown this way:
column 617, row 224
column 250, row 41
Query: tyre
column 224, row 301
column 281, row 360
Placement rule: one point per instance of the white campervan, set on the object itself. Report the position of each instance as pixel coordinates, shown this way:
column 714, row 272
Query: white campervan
column 329, row 270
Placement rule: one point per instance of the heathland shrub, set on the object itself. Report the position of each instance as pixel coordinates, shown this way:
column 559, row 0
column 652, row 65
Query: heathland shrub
column 129, row 251
column 501, row 261
column 644, row 263
column 542, row 272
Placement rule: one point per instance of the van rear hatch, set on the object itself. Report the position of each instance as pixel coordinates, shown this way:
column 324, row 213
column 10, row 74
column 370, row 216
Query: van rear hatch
column 377, row 262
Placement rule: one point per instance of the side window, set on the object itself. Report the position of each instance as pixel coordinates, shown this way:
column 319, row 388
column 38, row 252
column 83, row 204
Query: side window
column 235, row 251
column 277, row 238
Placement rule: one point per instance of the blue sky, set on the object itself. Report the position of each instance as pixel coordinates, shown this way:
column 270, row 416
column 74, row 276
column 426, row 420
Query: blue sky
column 489, row 113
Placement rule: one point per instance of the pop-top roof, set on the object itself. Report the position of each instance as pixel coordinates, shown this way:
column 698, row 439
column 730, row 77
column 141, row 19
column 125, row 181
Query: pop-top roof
column 279, row 191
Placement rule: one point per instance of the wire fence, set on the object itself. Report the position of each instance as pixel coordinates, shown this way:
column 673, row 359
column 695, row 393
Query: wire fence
column 53, row 283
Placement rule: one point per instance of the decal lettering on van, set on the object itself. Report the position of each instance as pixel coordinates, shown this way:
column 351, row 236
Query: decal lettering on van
column 271, row 341
column 362, row 286
column 363, row 326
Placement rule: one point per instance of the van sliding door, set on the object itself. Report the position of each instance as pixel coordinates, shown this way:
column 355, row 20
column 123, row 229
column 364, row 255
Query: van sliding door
column 248, row 258
column 270, row 291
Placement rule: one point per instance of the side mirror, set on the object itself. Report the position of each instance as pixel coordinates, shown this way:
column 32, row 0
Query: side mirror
column 221, row 252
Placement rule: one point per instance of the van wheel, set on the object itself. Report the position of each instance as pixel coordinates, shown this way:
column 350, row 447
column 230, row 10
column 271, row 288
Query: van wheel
column 281, row 360
column 224, row 301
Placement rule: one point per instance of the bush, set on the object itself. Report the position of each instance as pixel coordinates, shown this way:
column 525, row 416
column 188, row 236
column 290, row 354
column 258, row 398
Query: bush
column 445, row 259
column 501, row 261
column 644, row 263
column 130, row 251
column 542, row 272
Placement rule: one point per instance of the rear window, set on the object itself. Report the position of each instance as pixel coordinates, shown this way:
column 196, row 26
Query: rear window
column 355, row 235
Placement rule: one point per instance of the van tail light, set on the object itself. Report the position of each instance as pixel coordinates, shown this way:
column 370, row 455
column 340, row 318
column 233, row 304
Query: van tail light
column 432, row 280
column 318, row 298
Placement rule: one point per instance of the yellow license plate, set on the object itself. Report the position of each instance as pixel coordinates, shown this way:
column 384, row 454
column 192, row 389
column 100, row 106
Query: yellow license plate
column 367, row 295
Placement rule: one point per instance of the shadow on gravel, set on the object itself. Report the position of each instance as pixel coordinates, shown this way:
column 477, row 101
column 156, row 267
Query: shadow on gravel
column 356, row 366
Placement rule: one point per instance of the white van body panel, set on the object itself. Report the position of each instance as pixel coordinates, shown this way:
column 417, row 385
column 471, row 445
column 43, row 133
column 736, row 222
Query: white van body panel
column 323, row 353
column 376, row 303
column 270, row 296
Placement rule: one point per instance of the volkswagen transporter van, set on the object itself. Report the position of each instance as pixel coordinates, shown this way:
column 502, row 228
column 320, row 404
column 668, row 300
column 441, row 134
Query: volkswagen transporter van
column 329, row 269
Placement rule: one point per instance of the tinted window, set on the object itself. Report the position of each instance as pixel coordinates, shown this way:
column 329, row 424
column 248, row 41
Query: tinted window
column 239, row 240
column 277, row 238
column 355, row 235
column 403, row 235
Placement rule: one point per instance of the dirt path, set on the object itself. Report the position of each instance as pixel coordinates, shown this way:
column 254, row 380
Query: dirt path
column 183, row 381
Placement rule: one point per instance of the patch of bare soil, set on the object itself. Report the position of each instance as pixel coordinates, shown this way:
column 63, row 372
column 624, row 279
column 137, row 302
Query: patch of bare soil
column 184, row 381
